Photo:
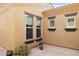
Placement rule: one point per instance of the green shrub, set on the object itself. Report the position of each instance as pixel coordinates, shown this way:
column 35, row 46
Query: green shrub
column 22, row 50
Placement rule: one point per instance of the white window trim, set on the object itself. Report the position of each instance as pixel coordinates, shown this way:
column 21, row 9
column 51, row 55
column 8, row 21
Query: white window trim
column 74, row 22
column 26, row 22
column 28, row 27
column 49, row 23
column 37, row 22
column 39, row 28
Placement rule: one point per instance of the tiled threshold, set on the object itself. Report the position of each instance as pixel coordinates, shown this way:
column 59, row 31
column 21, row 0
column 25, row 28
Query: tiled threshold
column 50, row 50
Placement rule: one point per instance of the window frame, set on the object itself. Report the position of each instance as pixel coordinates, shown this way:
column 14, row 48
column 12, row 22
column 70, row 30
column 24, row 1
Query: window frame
column 29, row 27
column 74, row 25
column 52, row 19
column 38, row 27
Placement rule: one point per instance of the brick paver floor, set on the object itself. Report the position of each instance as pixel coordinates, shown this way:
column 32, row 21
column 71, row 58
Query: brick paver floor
column 50, row 50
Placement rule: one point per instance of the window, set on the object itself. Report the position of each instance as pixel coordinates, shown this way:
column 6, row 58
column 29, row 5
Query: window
column 71, row 22
column 38, row 29
column 51, row 23
column 29, row 27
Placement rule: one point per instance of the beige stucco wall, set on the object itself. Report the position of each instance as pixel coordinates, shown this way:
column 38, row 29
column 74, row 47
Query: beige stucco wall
column 7, row 29
column 13, row 22
column 60, row 36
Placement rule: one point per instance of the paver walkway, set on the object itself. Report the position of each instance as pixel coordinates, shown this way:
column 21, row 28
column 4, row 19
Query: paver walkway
column 50, row 50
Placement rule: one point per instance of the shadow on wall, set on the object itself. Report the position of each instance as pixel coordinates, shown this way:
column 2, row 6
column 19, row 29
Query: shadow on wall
column 71, row 29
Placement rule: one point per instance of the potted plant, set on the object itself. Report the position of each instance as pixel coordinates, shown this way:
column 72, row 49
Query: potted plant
column 22, row 50
column 9, row 53
column 41, row 45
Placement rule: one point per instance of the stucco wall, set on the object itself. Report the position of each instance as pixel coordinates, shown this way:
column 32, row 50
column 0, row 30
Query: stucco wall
column 13, row 23
column 7, row 29
column 60, row 36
